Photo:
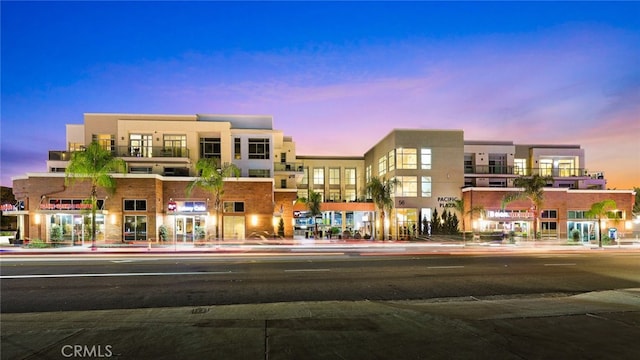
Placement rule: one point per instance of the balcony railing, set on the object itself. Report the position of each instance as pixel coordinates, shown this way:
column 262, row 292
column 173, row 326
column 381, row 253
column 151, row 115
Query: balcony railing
column 511, row 170
column 295, row 167
column 152, row 152
column 129, row 151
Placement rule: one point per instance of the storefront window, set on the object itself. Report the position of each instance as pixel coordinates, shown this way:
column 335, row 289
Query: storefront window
column 135, row 227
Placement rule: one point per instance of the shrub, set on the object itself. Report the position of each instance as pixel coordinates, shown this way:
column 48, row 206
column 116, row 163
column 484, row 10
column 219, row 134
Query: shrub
column 163, row 232
column 56, row 232
column 37, row 244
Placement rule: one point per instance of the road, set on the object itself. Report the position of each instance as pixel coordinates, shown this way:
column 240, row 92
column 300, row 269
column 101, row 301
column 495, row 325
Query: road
column 78, row 282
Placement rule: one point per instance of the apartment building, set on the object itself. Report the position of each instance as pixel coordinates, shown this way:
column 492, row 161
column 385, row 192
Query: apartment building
column 433, row 168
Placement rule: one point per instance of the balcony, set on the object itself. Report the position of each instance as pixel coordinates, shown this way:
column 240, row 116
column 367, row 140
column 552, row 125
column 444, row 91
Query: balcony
column 288, row 167
column 151, row 152
column 59, row 155
column 129, row 151
column 511, row 170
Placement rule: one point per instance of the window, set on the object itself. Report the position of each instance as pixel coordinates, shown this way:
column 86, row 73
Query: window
column 237, row 149
column 520, row 167
column 407, row 186
column 106, row 141
column 392, row 160
column 350, row 176
column 259, row 173
column 382, row 166
column 497, row 163
column 135, row 227
column 318, row 176
column 576, row 214
column 468, row 163
column 367, row 173
column 210, row 148
column 176, row 171
column 334, row 176
column 135, row 205
column 549, row 214
column 425, row 188
column 303, row 194
column 425, row 158
column 334, row 195
column 233, row 206
column 140, row 170
column 350, row 194
column 283, row 183
column 305, row 176
column 140, row 145
column 174, row 145
column 259, row 149
column 546, row 167
column 407, row 158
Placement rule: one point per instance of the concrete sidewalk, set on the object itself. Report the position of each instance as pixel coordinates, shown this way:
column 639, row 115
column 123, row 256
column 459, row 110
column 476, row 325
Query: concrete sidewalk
column 602, row 325
column 250, row 246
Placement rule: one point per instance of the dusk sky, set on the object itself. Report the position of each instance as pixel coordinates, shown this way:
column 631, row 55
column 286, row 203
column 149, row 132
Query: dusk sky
column 336, row 76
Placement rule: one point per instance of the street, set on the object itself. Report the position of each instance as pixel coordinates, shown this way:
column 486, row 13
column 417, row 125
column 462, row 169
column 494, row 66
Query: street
column 129, row 281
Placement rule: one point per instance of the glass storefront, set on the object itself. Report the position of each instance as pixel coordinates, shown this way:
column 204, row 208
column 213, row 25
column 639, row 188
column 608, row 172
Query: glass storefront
column 73, row 228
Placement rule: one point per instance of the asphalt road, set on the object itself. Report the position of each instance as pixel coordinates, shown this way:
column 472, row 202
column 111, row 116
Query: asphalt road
column 50, row 283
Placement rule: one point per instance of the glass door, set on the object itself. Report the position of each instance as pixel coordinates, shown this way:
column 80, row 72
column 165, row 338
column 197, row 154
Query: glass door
column 184, row 228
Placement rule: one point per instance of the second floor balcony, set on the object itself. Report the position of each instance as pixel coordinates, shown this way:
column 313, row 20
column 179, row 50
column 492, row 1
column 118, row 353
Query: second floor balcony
column 517, row 171
column 130, row 152
column 151, row 152
column 287, row 166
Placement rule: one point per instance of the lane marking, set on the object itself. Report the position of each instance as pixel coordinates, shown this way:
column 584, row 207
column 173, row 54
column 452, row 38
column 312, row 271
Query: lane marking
column 445, row 267
column 307, row 270
column 44, row 276
column 567, row 264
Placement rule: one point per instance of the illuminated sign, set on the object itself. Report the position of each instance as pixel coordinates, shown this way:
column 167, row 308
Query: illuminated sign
column 507, row 214
column 187, row 206
column 65, row 206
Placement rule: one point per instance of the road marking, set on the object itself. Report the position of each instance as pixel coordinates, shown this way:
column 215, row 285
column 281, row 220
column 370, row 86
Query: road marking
column 445, row 267
column 306, row 270
column 567, row 264
column 43, row 276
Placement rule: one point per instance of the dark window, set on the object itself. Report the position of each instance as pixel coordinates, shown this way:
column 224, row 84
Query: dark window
column 135, row 205
column 259, row 149
column 210, row 148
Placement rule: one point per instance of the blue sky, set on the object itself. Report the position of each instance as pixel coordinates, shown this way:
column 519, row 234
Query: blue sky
column 337, row 76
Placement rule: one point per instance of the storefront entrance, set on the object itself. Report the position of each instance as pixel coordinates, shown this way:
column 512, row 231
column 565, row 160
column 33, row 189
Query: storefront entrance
column 189, row 228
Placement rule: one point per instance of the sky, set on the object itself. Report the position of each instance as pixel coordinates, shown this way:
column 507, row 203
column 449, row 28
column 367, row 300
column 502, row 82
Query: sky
column 336, row 76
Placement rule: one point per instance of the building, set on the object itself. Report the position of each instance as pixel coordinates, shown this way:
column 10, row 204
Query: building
column 434, row 168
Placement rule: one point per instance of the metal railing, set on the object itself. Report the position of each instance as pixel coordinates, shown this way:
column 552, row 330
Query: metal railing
column 296, row 167
column 511, row 170
column 129, row 151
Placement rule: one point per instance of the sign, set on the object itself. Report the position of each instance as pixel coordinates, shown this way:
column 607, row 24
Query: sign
column 446, row 201
column 187, row 206
column 65, row 206
column 509, row 214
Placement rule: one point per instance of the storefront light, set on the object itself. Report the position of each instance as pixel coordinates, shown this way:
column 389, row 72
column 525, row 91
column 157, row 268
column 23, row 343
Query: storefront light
column 254, row 220
column 628, row 225
column 37, row 219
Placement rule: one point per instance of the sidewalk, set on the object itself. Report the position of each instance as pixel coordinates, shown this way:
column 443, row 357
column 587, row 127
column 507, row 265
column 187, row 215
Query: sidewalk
column 317, row 246
column 600, row 325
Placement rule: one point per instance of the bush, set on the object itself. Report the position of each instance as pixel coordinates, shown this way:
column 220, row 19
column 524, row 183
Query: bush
column 37, row 244
column 163, row 232
column 575, row 235
column 56, row 232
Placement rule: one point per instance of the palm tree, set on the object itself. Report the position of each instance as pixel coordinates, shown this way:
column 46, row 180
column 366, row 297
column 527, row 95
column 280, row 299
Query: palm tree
column 598, row 211
column 532, row 189
column 459, row 206
column 381, row 192
column 211, row 178
column 94, row 164
column 314, row 203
